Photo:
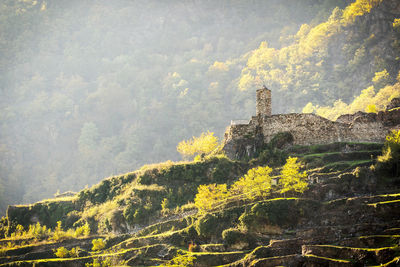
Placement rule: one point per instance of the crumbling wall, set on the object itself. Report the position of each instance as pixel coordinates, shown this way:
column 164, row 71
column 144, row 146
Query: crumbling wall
column 309, row 129
column 242, row 140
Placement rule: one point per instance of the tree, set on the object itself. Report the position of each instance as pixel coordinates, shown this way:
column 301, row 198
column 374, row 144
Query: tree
column 202, row 145
column 256, row 183
column 381, row 79
column 210, row 196
column 291, row 178
column 371, row 109
column 89, row 137
column 391, row 151
column 358, row 8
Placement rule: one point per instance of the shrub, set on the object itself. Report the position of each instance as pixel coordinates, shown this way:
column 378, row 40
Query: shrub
column 83, row 230
column 39, row 232
column 181, row 259
column 281, row 140
column 232, row 236
column 62, row 252
column 165, row 206
column 59, row 234
column 98, row 244
column 390, row 159
column 206, row 225
column 74, row 252
column 100, row 263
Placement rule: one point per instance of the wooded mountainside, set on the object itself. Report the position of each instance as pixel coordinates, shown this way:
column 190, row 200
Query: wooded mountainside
column 89, row 89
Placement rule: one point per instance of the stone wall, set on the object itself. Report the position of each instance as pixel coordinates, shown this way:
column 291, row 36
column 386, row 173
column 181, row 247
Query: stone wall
column 263, row 103
column 309, row 129
column 242, row 140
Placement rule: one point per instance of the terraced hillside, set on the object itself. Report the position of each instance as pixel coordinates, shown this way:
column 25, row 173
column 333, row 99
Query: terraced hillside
column 348, row 216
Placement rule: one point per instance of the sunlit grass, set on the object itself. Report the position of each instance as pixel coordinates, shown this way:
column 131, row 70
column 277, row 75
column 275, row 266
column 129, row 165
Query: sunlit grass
column 328, row 259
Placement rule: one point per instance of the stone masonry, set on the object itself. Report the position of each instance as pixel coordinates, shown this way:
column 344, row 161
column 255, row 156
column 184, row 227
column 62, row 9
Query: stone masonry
column 263, row 106
column 243, row 140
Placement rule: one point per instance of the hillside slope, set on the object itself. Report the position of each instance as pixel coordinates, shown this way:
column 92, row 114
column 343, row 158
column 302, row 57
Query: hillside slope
column 348, row 216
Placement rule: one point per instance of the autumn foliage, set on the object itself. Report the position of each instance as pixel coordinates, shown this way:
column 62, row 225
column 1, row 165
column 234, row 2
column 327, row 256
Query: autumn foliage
column 202, row 145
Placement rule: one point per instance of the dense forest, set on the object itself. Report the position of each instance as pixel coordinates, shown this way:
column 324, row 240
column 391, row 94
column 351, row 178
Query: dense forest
column 89, row 89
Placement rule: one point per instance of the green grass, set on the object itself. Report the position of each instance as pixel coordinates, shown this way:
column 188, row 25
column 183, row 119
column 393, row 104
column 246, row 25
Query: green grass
column 351, row 248
column 328, row 259
column 306, row 156
column 54, row 260
column 394, row 261
column 384, row 202
column 221, row 253
column 346, row 165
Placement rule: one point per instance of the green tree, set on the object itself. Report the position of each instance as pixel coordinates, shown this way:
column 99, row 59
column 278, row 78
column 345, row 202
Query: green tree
column 88, row 138
column 291, row 178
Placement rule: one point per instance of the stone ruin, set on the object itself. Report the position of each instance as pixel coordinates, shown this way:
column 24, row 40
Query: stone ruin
column 244, row 138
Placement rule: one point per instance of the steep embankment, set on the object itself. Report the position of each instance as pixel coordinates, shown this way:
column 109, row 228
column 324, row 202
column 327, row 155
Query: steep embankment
column 348, row 216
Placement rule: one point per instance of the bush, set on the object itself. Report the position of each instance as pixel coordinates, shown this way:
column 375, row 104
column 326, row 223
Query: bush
column 232, row 236
column 83, row 230
column 98, row 244
column 100, row 263
column 390, row 159
column 74, row 252
column 181, row 259
column 62, row 252
column 59, row 234
column 206, row 225
column 281, row 140
column 39, row 232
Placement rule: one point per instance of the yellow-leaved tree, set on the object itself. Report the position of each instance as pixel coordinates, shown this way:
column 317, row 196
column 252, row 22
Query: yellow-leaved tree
column 198, row 146
column 391, row 152
column 358, row 8
column 210, row 196
column 255, row 184
column 291, row 178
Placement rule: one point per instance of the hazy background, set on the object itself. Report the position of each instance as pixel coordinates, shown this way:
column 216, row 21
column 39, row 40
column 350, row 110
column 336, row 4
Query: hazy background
column 89, row 89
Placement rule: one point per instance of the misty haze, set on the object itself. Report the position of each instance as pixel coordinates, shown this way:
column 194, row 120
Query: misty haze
column 143, row 91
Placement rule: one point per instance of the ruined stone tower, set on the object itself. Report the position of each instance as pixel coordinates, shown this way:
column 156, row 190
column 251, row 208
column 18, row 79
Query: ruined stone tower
column 263, row 106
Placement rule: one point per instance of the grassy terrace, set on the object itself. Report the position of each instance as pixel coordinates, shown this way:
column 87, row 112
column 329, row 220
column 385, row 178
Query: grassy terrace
column 328, row 259
column 234, row 230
